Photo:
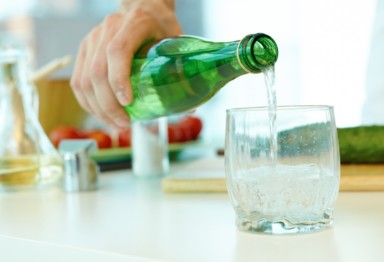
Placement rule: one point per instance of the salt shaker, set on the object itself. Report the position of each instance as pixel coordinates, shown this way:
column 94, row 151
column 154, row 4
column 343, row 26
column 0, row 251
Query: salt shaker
column 150, row 147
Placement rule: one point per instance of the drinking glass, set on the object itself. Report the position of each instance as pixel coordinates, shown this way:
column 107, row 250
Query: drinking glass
column 282, row 167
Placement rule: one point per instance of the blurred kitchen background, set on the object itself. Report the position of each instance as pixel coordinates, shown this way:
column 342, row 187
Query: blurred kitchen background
column 324, row 45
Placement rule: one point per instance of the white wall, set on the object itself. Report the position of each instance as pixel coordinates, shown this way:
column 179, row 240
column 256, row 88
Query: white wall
column 324, row 48
column 323, row 45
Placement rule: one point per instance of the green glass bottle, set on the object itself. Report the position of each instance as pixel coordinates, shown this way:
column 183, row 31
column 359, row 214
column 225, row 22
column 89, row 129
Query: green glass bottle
column 180, row 73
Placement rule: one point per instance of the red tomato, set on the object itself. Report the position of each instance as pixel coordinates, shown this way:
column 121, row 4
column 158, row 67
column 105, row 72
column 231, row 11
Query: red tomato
column 192, row 126
column 124, row 138
column 175, row 134
column 64, row 132
column 186, row 133
column 103, row 139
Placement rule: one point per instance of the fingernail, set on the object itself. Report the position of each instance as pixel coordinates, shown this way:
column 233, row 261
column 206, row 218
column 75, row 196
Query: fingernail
column 122, row 121
column 122, row 98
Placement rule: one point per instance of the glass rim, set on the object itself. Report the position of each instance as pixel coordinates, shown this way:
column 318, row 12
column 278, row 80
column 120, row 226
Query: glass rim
column 280, row 108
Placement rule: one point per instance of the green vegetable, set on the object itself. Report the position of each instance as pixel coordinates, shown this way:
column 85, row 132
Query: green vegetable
column 362, row 144
column 308, row 140
column 358, row 145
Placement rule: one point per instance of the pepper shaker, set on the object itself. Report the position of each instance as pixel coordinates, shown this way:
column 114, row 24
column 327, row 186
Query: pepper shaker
column 80, row 171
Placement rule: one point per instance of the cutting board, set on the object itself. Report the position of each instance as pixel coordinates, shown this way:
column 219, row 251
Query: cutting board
column 208, row 175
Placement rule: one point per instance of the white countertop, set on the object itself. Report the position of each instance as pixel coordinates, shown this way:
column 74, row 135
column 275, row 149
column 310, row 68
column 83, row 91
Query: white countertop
column 132, row 219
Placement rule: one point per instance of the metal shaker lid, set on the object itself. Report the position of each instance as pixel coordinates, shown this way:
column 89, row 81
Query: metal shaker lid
column 80, row 171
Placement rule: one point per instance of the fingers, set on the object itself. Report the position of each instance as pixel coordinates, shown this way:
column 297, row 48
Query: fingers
column 101, row 77
column 90, row 78
column 140, row 26
column 120, row 52
column 76, row 78
column 83, row 86
column 87, row 87
column 106, row 99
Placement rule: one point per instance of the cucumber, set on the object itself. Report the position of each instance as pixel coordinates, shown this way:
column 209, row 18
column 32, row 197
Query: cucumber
column 361, row 144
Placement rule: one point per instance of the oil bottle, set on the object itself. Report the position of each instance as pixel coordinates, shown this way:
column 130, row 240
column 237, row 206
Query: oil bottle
column 27, row 157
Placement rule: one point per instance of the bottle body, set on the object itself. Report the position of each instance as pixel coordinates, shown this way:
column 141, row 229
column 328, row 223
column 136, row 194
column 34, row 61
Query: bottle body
column 178, row 74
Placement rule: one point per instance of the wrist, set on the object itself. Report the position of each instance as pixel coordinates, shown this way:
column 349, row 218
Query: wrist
column 170, row 4
column 125, row 5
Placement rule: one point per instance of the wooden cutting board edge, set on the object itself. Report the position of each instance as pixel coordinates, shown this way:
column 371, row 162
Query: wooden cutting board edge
column 360, row 177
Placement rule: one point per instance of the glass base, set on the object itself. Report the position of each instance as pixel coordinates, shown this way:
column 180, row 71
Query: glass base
column 282, row 226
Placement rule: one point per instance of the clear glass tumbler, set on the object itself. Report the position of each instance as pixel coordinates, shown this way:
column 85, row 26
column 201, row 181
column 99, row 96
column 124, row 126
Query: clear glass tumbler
column 282, row 168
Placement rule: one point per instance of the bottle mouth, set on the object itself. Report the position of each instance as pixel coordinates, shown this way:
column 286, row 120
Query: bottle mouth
column 257, row 52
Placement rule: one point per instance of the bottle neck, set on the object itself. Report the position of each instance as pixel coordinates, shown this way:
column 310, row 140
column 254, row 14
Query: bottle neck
column 11, row 68
column 18, row 97
column 256, row 53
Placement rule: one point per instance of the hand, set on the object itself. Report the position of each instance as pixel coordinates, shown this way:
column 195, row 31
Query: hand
column 100, row 80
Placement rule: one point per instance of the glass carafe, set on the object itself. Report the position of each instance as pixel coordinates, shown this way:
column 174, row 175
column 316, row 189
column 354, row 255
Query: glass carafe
column 27, row 157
